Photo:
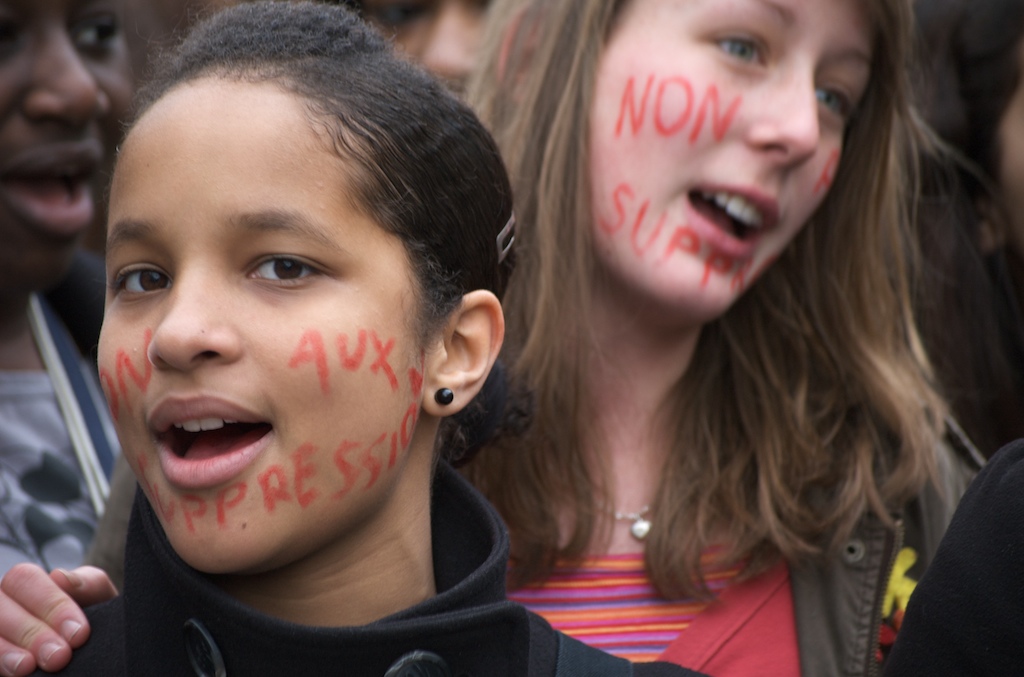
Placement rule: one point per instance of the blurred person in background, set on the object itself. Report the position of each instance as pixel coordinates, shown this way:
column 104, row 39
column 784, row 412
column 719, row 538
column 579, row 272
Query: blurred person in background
column 64, row 88
column 971, row 214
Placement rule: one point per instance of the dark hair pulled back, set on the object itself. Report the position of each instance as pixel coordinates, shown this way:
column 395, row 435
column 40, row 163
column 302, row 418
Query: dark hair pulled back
column 423, row 166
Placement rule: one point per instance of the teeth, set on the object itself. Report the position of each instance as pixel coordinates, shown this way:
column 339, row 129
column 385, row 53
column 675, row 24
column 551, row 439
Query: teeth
column 737, row 207
column 201, row 424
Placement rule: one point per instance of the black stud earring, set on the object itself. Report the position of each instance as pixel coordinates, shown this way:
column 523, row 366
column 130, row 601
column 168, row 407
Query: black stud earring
column 444, row 396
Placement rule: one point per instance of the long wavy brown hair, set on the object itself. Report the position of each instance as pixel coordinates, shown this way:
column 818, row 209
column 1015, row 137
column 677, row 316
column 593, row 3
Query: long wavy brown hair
column 806, row 406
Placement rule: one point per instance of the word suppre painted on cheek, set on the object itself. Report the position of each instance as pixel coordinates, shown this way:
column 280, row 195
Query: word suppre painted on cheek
column 300, row 482
column 633, row 212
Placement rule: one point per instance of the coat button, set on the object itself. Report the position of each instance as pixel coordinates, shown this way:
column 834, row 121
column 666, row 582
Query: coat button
column 203, row 653
column 419, row 664
column 854, row 551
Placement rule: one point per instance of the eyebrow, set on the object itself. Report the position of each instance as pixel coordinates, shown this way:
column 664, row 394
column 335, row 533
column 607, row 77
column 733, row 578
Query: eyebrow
column 125, row 231
column 787, row 18
column 784, row 14
column 128, row 230
column 284, row 221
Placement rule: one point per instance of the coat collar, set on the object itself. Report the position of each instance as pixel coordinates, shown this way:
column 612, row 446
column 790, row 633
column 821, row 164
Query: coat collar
column 468, row 623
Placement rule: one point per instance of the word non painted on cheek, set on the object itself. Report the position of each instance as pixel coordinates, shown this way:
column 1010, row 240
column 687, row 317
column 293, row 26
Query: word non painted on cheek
column 116, row 386
column 672, row 108
column 644, row 232
column 351, row 355
column 301, row 482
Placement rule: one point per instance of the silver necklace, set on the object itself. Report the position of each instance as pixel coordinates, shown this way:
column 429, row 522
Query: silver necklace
column 640, row 524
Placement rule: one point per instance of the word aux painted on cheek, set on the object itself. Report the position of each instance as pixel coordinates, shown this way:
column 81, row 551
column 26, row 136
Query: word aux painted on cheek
column 633, row 220
column 669, row 104
column 358, row 464
column 126, row 374
column 351, row 353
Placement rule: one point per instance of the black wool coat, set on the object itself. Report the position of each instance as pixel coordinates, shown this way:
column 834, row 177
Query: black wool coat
column 469, row 629
column 965, row 615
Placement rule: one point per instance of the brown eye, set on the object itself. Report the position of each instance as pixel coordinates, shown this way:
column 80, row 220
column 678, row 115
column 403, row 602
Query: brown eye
column 282, row 268
column 139, row 281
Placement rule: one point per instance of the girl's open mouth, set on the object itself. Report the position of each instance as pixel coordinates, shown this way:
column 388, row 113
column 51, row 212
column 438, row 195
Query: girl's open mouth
column 731, row 213
column 210, row 452
column 208, row 442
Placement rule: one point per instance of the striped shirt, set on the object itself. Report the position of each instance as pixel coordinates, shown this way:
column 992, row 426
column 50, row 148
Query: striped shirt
column 610, row 603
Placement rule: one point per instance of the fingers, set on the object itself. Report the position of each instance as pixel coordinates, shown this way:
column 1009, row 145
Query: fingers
column 85, row 585
column 39, row 622
column 14, row 662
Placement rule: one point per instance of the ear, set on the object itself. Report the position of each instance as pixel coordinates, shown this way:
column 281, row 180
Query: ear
column 465, row 352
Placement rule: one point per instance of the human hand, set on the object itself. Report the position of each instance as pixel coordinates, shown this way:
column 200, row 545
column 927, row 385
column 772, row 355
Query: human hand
column 41, row 619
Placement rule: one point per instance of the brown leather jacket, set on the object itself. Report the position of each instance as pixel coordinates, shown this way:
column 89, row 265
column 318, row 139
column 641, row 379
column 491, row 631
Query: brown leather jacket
column 838, row 606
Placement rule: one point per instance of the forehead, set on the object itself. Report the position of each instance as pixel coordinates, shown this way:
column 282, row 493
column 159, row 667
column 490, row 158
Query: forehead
column 213, row 102
column 214, row 148
column 224, row 124
column 850, row 20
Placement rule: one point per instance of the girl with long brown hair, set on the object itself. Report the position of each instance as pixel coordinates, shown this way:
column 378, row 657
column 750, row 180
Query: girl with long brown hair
column 712, row 316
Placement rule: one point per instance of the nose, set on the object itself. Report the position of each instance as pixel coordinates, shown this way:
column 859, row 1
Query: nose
column 194, row 330
column 787, row 119
column 62, row 87
column 454, row 38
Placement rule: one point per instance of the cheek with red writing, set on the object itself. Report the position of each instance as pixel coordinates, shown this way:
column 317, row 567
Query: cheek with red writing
column 667, row 106
column 828, row 174
column 322, row 354
column 659, row 239
column 128, row 376
column 671, row 106
column 309, row 478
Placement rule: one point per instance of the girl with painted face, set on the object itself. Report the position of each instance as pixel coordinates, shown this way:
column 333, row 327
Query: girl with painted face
column 735, row 446
column 307, row 240
column 442, row 36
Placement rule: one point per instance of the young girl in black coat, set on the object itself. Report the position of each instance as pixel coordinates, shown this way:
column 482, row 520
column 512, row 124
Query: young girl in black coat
column 306, row 246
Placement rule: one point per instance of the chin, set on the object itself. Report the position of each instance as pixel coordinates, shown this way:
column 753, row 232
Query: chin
column 691, row 304
column 217, row 554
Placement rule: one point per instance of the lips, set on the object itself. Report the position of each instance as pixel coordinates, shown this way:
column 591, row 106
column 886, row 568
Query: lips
column 731, row 221
column 205, row 442
column 732, row 212
column 50, row 186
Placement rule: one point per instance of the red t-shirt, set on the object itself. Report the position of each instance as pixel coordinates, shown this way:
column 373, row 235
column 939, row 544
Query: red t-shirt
column 751, row 630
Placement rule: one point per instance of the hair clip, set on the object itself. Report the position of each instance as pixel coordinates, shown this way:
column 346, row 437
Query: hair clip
column 504, row 247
